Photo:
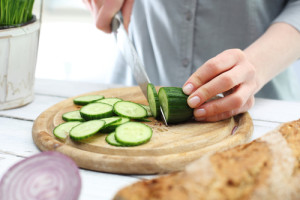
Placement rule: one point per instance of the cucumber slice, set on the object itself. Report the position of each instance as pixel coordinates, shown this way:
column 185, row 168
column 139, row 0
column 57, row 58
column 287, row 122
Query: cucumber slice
column 130, row 110
column 153, row 100
column 149, row 113
column 110, row 120
column 110, row 139
column 110, row 101
column 110, row 128
column 133, row 133
column 86, row 129
column 62, row 130
column 83, row 100
column 72, row 116
column 174, row 104
column 96, row 111
column 144, row 120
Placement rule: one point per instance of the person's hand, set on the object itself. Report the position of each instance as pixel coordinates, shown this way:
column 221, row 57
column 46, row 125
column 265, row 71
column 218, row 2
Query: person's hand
column 104, row 10
column 229, row 73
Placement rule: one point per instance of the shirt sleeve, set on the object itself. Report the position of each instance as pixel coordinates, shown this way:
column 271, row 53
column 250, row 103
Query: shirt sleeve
column 290, row 14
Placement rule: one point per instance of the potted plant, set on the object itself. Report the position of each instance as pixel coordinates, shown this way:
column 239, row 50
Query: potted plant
column 19, row 37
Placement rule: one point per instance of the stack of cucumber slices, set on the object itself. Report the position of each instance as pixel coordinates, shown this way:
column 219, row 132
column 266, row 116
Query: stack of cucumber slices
column 106, row 115
column 122, row 120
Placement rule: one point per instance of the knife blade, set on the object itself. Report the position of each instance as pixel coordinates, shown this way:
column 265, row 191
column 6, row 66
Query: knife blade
column 129, row 53
column 131, row 56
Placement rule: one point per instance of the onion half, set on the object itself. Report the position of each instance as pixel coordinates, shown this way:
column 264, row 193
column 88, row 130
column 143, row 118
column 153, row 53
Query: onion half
column 47, row 175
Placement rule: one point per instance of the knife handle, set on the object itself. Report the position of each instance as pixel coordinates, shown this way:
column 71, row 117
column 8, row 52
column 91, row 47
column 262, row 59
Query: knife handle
column 116, row 21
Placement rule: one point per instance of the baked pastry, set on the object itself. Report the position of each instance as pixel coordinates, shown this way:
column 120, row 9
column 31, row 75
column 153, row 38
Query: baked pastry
column 266, row 168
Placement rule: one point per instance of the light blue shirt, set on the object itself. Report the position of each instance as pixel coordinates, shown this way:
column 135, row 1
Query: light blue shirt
column 175, row 37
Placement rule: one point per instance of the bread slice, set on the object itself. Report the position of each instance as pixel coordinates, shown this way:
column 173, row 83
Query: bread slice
column 267, row 168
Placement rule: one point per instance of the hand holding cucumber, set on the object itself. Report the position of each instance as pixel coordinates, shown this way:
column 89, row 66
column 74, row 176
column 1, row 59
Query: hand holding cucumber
column 104, row 10
column 229, row 73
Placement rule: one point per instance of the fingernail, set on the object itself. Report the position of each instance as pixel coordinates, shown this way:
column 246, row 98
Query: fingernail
column 199, row 112
column 194, row 101
column 188, row 88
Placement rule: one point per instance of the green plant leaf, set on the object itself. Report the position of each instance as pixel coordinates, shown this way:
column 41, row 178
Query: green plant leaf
column 14, row 12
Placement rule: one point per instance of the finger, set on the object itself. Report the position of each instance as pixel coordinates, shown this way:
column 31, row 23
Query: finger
column 126, row 12
column 212, row 68
column 106, row 13
column 233, row 101
column 88, row 4
column 229, row 114
column 220, row 84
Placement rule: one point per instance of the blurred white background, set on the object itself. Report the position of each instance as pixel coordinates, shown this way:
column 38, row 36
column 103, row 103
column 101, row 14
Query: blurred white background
column 71, row 48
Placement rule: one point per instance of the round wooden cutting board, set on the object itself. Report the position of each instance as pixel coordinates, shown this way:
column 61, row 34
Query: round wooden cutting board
column 170, row 148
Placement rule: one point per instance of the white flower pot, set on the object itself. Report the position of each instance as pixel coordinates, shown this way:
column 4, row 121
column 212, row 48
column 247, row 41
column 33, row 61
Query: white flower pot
column 18, row 56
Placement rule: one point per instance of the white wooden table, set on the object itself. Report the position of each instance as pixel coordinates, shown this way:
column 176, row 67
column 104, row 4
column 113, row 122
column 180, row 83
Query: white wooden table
column 16, row 142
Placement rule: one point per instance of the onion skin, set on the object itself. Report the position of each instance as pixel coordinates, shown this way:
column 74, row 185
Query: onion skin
column 44, row 176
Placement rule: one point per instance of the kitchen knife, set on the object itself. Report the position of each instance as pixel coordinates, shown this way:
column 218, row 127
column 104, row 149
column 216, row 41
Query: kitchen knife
column 130, row 55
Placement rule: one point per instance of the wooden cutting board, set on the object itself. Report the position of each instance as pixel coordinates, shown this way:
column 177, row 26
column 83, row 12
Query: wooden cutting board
column 170, row 148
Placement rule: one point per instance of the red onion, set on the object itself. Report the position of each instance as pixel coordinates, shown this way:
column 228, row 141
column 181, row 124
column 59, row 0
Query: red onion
column 47, row 175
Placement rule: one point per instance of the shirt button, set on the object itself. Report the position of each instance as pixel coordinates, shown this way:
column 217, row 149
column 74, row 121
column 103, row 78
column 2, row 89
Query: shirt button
column 185, row 62
column 188, row 15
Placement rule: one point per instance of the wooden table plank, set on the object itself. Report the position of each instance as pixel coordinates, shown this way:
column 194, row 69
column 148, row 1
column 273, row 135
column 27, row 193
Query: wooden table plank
column 15, row 137
column 32, row 110
column 275, row 110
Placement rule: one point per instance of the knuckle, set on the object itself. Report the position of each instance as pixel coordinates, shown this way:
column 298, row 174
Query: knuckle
column 228, row 81
column 251, row 71
column 197, row 77
column 213, row 109
column 250, row 102
column 238, row 54
column 204, row 93
column 237, row 100
column 215, row 65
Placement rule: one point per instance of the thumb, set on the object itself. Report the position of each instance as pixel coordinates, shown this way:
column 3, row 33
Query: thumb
column 126, row 12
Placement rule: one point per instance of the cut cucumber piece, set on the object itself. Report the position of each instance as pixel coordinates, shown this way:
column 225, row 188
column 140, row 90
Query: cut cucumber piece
column 86, row 129
column 110, row 101
column 110, row 120
column 62, row 130
column 110, row 139
column 133, row 133
column 72, row 116
column 149, row 113
column 110, row 128
column 130, row 110
column 153, row 100
column 174, row 104
column 143, row 120
column 83, row 100
column 96, row 111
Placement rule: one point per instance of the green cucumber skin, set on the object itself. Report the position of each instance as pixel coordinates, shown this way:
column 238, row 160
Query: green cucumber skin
column 77, row 138
column 178, row 109
column 115, row 110
column 83, row 103
column 68, row 119
column 113, row 141
column 154, row 106
column 61, row 125
column 88, row 117
column 112, row 127
column 129, row 143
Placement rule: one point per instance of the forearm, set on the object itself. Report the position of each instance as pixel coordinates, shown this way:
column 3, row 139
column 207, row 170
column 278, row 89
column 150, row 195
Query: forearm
column 274, row 51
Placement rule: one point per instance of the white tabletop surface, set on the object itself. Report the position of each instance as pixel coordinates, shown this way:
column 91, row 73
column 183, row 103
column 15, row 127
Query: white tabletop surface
column 16, row 124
